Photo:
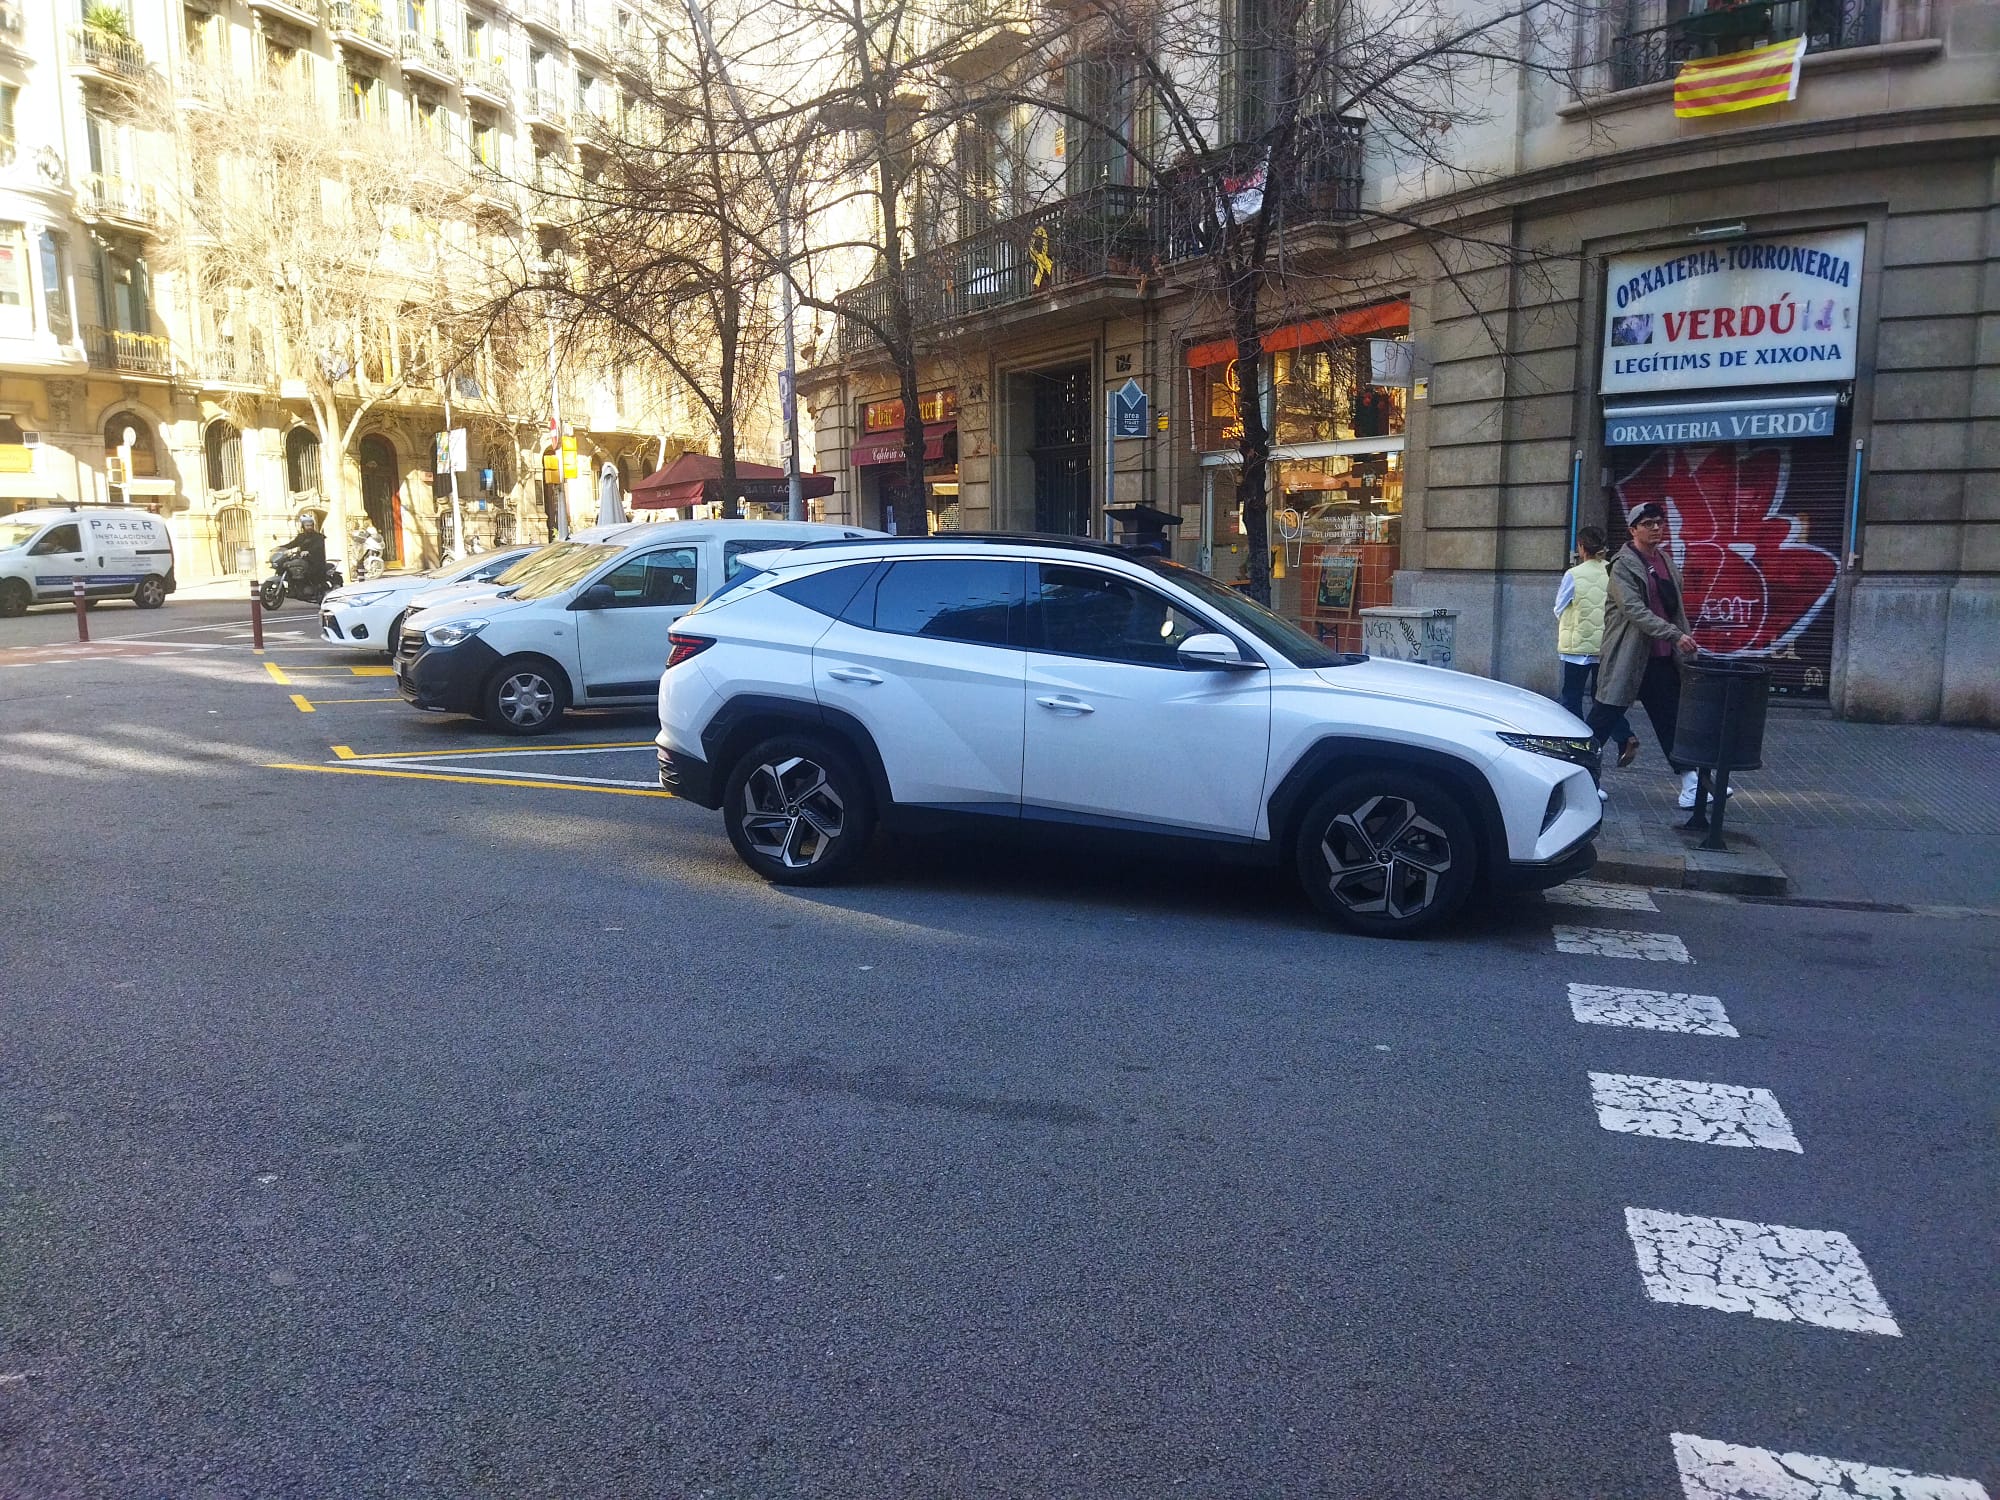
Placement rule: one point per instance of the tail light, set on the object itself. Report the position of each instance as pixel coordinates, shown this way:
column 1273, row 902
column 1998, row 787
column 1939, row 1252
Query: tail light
column 685, row 646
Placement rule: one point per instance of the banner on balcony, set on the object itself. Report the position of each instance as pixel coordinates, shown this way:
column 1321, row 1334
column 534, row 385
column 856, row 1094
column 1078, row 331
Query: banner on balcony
column 1739, row 80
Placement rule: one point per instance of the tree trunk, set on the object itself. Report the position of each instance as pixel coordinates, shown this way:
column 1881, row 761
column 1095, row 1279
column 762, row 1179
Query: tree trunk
column 1252, row 479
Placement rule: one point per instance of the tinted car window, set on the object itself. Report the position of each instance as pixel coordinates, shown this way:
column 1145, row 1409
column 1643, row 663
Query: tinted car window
column 952, row 599
column 1082, row 612
column 829, row 592
column 654, row 578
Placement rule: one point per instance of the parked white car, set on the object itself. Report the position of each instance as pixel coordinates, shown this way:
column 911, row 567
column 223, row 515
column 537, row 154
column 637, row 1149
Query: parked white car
column 118, row 552
column 550, row 555
column 1017, row 681
column 586, row 630
column 369, row 614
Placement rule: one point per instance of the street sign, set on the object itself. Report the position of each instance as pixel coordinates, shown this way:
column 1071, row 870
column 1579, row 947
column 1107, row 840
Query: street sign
column 1128, row 411
column 448, row 452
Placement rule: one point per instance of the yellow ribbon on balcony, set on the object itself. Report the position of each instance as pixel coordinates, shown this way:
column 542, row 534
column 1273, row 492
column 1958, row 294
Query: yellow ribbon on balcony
column 1039, row 257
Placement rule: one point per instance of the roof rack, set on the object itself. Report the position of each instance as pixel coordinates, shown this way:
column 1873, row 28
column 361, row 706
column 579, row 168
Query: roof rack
column 996, row 538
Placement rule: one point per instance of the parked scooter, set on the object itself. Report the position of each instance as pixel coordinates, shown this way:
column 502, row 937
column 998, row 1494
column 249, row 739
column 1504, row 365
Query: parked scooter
column 288, row 579
column 367, row 553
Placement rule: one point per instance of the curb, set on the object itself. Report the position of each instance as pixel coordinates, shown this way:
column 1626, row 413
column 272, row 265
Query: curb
column 1743, row 869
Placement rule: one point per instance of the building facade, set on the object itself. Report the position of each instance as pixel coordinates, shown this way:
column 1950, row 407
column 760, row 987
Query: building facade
column 1782, row 322
column 119, row 383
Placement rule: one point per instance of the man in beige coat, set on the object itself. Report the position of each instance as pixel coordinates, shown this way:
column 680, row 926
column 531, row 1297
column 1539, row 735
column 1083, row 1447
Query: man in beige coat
column 1646, row 636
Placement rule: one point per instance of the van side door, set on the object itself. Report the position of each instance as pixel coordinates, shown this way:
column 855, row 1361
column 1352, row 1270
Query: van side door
column 621, row 632
column 56, row 561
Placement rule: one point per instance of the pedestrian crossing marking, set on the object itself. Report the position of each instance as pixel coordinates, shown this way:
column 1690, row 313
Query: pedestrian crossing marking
column 1685, row 1109
column 1649, row 1010
column 1767, row 1270
column 1616, row 942
column 1726, row 1471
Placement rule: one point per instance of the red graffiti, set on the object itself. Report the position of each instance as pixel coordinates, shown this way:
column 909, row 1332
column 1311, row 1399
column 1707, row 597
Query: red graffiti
column 1753, row 581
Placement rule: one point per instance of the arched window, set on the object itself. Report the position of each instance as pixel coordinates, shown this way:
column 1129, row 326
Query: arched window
column 302, row 461
column 123, row 427
column 234, row 553
column 223, row 445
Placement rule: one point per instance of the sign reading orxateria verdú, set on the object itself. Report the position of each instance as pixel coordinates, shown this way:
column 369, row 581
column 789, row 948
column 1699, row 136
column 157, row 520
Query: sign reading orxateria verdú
column 1770, row 311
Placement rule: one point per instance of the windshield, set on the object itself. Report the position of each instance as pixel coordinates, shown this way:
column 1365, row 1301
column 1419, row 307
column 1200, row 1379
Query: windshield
column 576, row 562
column 16, row 533
column 1281, row 635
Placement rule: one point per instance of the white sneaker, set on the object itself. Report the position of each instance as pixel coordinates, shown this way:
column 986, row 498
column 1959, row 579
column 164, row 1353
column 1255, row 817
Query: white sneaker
column 1690, row 781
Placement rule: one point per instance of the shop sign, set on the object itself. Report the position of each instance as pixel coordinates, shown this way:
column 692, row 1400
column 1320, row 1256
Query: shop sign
column 1721, row 422
column 1771, row 311
column 932, row 407
column 1128, row 411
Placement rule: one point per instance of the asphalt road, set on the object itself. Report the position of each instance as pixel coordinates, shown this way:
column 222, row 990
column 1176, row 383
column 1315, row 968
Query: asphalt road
column 365, row 1132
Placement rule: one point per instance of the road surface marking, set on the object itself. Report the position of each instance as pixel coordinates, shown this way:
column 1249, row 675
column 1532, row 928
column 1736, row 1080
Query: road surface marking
column 373, row 671
column 1683, row 1109
column 277, row 674
column 1648, row 1010
column 412, row 765
column 1725, row 1471
column 353, row 768
column 1616, row 942
column 1768, row 1270
column 299, row 702
column 494, row 750
column 378, row 698
column 1594, row 893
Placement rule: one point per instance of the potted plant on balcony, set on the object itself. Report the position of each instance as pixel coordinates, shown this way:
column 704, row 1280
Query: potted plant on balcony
column 107, row 19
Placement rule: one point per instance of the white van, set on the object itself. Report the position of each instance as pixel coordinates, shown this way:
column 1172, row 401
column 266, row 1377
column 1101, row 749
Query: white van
column 590, row 632
column 118, row 553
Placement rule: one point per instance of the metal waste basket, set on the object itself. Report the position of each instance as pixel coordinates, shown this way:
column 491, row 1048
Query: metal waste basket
column 1720, row 729
column 1397, row 632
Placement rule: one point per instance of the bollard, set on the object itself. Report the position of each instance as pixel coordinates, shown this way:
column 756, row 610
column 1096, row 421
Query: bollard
column 256, row 618
column 82, row 614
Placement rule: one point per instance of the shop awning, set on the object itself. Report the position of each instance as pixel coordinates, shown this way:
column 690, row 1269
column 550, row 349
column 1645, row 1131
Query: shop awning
column 1744, row 419
column 696, row 478
column 887, row 447
column 1383, row 317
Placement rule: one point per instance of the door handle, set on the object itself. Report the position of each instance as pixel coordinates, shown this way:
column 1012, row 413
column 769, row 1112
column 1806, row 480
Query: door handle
column 1062, row 703
column 853, row 674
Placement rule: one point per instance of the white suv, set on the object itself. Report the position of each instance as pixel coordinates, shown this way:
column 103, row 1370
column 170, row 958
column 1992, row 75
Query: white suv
column 837, row 687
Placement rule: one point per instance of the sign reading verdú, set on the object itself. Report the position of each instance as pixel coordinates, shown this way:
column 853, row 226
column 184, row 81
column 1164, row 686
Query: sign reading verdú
column 1752, row 312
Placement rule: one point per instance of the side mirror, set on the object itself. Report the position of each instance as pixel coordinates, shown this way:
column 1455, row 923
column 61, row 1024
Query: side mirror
column 1215, row 652
column 597, row 596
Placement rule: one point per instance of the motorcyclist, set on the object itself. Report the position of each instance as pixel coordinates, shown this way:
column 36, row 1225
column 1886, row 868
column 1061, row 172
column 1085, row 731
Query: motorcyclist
column 308, row 551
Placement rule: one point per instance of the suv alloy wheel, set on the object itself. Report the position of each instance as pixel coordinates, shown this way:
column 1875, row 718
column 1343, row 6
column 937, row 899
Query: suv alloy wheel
column 798, row 811
column 1386, row 853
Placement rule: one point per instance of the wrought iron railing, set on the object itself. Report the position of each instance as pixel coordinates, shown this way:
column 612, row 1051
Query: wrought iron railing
column 489, row 78
column 543, row 13
column 427, row 54
column 359, row 18
column 107, row 52
column 129, row 353
column 540, row 106
column 1650, row 49
column 101, row 196
column 1321, row 186
column 229, row 365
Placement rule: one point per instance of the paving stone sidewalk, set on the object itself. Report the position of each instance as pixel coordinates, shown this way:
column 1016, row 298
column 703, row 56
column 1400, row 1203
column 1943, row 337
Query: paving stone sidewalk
column 1896, row 813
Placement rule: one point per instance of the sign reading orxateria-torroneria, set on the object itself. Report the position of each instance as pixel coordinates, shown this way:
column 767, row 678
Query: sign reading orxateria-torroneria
column 1754, row 312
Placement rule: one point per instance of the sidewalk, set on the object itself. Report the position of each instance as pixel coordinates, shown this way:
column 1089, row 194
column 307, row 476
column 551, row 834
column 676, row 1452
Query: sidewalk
column 1903, row 814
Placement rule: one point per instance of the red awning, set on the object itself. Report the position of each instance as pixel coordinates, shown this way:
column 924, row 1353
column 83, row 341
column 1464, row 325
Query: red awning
column 887, row 447
column 696, row 478
column 1380, row 318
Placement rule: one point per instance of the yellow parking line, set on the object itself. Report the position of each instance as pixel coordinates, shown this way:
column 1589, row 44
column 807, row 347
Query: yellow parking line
column 373, row 671
column 300, row 704
column 378, row 698
column 490, row 750
column 277, row 674
column 545, row 786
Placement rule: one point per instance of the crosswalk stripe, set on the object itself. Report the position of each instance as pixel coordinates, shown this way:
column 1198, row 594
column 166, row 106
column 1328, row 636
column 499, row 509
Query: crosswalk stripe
column 1607, row 897
column 1649, row 1010
column 1684, row 1109
column 1727, row 1471
column 1767, row 1270
column 1617, row 942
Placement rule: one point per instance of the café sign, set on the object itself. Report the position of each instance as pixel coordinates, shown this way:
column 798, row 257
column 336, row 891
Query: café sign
column 1754, row 312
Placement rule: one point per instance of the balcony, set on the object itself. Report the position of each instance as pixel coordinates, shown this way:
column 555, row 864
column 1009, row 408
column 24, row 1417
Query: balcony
column 242, row 369
column 115, row 351
column 428, row 58
column 13, row 29
column 301, row 14
column 591, row 130
column 541, row 109
column 1323, row 186
column 592, row 41
column 544, row 16
column 1652, row 49
column 105, row 57
column 117, row 203
column 985, row 37
column 358, row 26
column 486, row 83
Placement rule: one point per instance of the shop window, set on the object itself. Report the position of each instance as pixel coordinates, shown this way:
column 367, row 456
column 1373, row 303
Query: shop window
column 222, row 446
column 123, row 430
column 975, row 600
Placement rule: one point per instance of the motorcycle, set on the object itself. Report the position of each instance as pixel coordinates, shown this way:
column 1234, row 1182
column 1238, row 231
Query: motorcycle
column 368, row 554
column 288, row 580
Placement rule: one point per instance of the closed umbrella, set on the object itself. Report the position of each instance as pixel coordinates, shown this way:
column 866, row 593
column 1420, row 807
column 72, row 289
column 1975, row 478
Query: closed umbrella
column 610, row 506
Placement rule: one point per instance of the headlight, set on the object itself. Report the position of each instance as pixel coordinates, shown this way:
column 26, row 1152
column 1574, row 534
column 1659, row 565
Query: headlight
column 341, row 596
column 452, row 632
column 1578, row 752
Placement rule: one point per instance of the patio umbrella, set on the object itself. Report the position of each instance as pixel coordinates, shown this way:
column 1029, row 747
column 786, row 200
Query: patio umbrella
column 610, row 509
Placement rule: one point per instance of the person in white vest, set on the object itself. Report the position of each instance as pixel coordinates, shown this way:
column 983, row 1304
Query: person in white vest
column 1580, row 599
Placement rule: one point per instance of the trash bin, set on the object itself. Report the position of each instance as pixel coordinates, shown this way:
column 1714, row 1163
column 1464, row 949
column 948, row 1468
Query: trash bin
column 1398, row 632
column 1721, row 722
column 246, row 559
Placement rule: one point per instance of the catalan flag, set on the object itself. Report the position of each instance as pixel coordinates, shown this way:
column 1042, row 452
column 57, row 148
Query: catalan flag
column 1739, row 80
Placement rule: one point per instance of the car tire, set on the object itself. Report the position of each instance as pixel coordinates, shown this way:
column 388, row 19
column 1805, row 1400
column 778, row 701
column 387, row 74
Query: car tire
column 524, row 696
column 1387, row 853
column 151, row 592
column 14, row 598
column 798, row 810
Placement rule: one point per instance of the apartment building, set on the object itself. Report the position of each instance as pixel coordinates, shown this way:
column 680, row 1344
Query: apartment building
column 1782, row 321
column 119, row 385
